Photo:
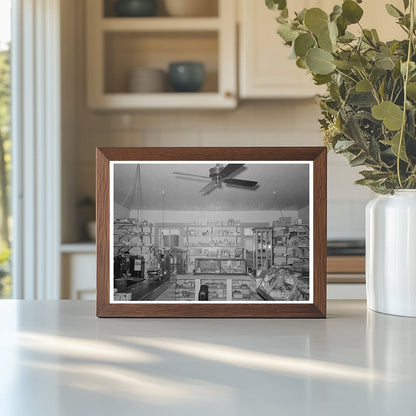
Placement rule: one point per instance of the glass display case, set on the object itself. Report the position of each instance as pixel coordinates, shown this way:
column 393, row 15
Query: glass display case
column 185, row 290
column 220, row 266
column 283, row 284
column 216, row 288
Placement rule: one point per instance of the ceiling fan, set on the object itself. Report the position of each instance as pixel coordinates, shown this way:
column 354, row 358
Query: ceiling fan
column 220, row 174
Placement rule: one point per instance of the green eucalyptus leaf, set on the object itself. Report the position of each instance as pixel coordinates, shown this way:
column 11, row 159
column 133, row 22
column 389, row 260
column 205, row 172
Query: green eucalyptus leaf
column 301, row 63
column 342, row 25
column 321, row 79
column 384, row 62
column 358, row 61
column 325, row 42
column 365, row 182
column 393, row 11
column 276, row 4
column 336, row 12
column 301, row 15
column 320, row 61
column 375, row 35
column 405, row 21
column 412, row 68
column 287, row 33
column 343, row 145
column 358, row 160
column 316, row 20
column 347, row 37
column 333, row 32
column 394, row 146
column 374, row 174
column 354, row 132
column 281, row 19
column 411, row 90
column 363, row 86
column 388, row 112
column 303, row 43
column 368, row 36
column 374, row 150
column 344, row 65
column 382, row 89
column 351, row 11
column 406, row 4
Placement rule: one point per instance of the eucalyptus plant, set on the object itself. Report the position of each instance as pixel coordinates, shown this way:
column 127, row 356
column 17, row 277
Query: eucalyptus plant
column 369, row 111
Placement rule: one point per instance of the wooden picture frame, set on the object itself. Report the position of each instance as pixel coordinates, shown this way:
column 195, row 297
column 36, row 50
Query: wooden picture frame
column 314, row 157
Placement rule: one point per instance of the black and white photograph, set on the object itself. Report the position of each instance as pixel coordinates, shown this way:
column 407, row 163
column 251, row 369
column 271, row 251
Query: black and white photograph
column 211, row 232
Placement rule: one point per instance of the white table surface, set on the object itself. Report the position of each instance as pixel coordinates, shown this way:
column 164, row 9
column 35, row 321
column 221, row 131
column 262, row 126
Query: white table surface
column 57, row 358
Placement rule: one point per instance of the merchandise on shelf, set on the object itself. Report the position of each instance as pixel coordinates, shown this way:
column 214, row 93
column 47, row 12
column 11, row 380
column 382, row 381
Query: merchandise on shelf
column 133, row 237
column 185, row 289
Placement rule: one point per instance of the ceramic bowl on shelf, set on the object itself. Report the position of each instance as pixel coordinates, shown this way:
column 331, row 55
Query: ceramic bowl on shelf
column 135, row 8
column 147, row 81
column 186, row 76
column 191, row 8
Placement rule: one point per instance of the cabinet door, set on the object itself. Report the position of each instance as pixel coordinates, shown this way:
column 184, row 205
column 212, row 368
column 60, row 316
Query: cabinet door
column 266, row 71
column 78, row 276
column 265, row 68
column 375, row 16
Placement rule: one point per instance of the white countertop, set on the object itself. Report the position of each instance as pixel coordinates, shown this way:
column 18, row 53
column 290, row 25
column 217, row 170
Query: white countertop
column 57, row 358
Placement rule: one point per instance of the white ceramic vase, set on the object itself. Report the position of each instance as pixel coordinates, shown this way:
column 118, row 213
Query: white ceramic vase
column 391, row 253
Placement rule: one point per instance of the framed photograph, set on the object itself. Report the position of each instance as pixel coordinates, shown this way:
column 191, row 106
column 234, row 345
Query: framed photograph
column 211, row 232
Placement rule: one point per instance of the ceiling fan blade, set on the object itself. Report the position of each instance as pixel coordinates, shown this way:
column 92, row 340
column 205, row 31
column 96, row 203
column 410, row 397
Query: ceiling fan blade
column 240, row 182
column 207, row 189
column 191, row 174
column 230, row 169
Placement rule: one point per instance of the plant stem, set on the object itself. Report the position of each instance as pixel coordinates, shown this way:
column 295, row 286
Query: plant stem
column 346, row 75
column 406, row 80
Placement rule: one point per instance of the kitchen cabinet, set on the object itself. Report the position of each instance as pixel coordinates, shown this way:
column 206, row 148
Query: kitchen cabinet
column 118, row 45
column 78, row 262
column 265, row 70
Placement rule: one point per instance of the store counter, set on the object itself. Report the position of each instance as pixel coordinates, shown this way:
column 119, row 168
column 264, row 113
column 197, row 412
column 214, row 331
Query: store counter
column 220, row 288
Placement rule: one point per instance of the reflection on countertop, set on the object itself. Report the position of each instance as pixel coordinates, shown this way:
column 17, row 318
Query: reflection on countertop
column 355, row 362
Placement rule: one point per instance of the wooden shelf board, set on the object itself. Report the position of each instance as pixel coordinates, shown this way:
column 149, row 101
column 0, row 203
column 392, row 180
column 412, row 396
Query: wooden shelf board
column 160, row 24
column 163, row 100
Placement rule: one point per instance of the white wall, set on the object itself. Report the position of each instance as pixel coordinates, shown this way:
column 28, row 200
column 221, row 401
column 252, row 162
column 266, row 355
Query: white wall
column 120, row 211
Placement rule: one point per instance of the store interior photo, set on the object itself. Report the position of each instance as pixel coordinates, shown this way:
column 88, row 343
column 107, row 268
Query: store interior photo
column 207, row 231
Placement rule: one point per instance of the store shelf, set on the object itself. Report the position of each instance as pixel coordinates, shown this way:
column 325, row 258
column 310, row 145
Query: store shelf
column 160, row 24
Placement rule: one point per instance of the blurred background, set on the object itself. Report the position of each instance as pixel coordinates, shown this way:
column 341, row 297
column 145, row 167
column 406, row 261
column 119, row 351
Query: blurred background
column 145, row 73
